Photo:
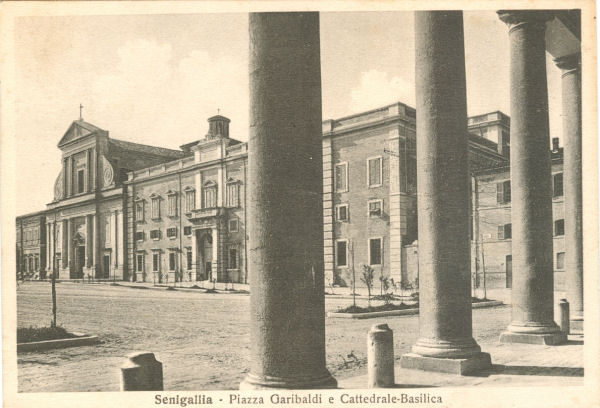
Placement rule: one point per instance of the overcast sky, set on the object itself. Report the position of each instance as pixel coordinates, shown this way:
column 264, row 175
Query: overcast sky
column 155, row 79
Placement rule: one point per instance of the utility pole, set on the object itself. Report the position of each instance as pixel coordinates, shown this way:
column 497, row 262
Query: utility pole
column 353, row 274
column 483, row 267
column 54, row 274
column 475, row 212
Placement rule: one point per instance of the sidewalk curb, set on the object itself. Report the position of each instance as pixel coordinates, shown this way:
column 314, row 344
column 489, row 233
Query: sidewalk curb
column 80, row 340
column 403, row 312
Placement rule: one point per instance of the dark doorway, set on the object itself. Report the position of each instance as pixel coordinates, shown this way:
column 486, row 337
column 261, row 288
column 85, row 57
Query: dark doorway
column 79, row 262
column 509, row 271
column 105, row 267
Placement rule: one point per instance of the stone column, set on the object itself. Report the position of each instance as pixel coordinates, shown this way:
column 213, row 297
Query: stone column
column 572, row 181
column 220, row 187
column 446, row 341
column 194, row 254
column 215, row 253
column 120, row 236
column 531, row 183
column 48, row 246
column 69, row 247
column 115, row 242
column 66, row 177
column 89, row 241
column 96, row 242
column 285, row 206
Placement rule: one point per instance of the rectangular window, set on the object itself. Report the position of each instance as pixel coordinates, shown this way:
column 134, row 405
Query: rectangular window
column 375, row 209
column 140, row 262
column 139, row 211
column 233, row 258
column 233, row 225
column 341, row 177
column 190, row 200
column 155, row 234
column 37, row 263
column 559, row 227
column 560, row 260
column 375, row 251
column 172, row 232
column 139, row 236
column 187, row 230
column 341, row 253
column 155, row 262
column 155, row 208
column 210, row 197
column 505, row 231
column 374, row 172
column 172, row 260
column 232, row 194
column 80, row 181
column 558, row 184
column 341, row 212
column 503, row 194
column 189, row 259
column 172, row 204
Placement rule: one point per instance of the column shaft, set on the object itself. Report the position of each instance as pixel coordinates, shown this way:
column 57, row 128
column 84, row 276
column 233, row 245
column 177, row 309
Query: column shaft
column 285, row 212
column 531, row 212
column 48, row 247
column 215, row 254
column 572, row 176
column 89, row 241
column 95, row 239
column 194, row 254
column 443, row 200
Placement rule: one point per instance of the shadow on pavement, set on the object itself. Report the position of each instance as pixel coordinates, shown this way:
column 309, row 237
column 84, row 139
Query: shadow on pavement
column 413, row 386
column 536, row 370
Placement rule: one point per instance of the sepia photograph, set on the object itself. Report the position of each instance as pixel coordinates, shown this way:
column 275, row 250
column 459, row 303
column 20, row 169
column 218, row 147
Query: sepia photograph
column 301, row 204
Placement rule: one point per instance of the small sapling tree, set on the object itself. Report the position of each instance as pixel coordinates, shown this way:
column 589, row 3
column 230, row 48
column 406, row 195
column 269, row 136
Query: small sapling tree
column 367, row 278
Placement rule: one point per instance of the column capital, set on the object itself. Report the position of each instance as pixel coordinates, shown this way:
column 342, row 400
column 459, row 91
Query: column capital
column 568, row 63
column 520, row 18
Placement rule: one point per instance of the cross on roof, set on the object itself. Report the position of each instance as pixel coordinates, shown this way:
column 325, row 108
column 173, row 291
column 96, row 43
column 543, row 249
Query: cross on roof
column 80, row 111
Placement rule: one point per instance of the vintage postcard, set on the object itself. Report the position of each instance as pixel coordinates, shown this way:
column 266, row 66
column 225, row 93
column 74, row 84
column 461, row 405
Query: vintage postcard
column 320, row 204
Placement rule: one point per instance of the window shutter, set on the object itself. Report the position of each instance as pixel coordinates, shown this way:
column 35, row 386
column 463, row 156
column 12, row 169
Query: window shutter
column 500, row 231
column 507, row 194
column 500, row 193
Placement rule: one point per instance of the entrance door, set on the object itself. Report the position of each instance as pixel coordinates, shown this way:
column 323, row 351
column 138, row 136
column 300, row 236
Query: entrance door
column 204, row 255
column 105, row 266
column 79, row 261
column 509, row 271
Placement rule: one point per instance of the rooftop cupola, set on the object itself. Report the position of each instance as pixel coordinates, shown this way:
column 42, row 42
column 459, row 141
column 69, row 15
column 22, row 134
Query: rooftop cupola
column 218, row 126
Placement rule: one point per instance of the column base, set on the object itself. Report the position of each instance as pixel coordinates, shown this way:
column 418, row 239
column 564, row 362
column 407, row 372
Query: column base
column 254, row 382
column 548, row 339
column 576, row 326
column 461, row 366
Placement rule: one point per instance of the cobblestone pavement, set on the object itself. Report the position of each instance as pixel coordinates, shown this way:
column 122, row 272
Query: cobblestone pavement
column 201, row 339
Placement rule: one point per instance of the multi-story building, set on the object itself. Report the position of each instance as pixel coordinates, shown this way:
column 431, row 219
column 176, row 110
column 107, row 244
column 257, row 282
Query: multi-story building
column 31, row 245
column 370, row 189
column 492, row 227
column 129, row 211
column 186, row 218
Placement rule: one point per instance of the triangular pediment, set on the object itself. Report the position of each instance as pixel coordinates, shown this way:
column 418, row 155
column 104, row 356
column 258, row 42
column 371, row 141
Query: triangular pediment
column 78, row 130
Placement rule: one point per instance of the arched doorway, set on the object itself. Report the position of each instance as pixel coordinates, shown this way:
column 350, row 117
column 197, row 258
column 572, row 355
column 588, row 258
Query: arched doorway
column 203, row 254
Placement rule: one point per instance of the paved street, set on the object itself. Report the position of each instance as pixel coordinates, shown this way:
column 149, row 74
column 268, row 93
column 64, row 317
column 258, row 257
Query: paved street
column 202, row 339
